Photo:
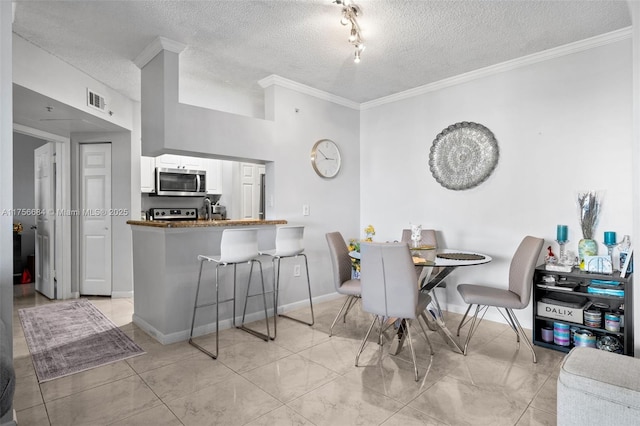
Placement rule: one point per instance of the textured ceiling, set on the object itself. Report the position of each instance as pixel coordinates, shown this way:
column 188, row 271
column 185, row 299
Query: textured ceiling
column 236, row 43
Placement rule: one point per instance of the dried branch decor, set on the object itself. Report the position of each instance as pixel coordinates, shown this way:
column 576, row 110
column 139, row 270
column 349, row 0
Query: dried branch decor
column 589, row 206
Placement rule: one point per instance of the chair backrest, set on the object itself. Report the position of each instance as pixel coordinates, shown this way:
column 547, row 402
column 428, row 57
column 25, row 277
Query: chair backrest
column 428, row 237
column 289, row 240
column 389, row 282
column 340, row 259
column 238, row 245
column 523, row 265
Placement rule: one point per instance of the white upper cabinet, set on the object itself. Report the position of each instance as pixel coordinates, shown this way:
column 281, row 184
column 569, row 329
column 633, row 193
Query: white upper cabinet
column 193, row 163
column 168, row 161
column 171, row 161
column 147, row 174
column 214, row 176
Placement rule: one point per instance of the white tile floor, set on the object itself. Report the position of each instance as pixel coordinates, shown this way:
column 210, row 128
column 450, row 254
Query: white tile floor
column 304, row 377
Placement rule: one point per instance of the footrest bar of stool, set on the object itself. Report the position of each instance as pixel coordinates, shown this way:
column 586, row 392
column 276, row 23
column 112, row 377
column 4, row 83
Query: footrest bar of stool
column 202, row 305
column 254, row 332
column 298, row 320
column 192, row 343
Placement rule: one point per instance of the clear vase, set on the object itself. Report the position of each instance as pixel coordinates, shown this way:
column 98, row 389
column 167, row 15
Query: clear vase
column 586, row 247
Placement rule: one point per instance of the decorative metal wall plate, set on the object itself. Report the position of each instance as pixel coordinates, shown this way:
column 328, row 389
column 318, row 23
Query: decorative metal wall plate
column 463, row 155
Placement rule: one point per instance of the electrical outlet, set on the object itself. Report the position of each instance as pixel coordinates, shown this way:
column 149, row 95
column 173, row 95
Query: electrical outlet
column 305, row 210
column 296, row 270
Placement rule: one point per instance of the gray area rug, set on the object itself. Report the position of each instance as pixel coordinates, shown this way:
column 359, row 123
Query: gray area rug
column 68, row 337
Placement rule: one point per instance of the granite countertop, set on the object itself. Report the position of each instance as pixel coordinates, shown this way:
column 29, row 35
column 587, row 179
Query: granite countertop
column 204, row 223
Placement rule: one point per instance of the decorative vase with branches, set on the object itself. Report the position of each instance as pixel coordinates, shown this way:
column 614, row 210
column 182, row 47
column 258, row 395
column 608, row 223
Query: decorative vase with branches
column 589, row 209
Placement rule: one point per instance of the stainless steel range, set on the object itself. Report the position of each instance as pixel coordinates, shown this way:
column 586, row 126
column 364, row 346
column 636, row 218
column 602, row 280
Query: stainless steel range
column 173, row 214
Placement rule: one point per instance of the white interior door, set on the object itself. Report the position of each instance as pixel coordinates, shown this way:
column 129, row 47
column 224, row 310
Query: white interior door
column 45, row 207
column 250, row 191
column 95, row 219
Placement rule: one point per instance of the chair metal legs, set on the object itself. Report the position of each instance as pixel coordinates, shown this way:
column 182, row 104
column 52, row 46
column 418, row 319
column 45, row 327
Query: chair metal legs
column 366, row 336
column 263, row 336
column 217, row 302
column 511, row 318
column 351, row 300
column 276, row 280
column 521, row 332
column 406, row 325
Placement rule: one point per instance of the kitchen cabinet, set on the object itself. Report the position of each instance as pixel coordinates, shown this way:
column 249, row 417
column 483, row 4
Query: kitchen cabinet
column 147, row 175
column 171, row 161
column 577, row 293
column 214, row 175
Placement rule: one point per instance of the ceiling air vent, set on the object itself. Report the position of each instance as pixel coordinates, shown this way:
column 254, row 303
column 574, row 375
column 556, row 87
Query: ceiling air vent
column 95, row 100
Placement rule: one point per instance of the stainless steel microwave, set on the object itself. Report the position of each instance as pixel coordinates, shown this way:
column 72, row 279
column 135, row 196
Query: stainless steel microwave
column 181, row 182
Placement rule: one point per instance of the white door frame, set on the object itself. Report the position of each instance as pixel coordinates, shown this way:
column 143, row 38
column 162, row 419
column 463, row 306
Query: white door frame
column 63, row 194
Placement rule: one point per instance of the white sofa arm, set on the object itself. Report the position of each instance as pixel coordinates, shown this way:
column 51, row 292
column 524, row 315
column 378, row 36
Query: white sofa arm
column 598, row 387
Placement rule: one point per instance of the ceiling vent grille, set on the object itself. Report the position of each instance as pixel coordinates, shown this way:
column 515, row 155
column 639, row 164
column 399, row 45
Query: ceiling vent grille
column 96, row 100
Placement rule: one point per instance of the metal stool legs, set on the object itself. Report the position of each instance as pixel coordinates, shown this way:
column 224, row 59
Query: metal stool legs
column 276, row 280
column 217, row 302
column 196, row 306
column 256, row 333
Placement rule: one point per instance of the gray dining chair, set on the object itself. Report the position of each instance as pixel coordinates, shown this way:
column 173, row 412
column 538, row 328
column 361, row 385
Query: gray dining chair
column 517, row 296
column 344, row 284
column 390, row 290
column 428, row 237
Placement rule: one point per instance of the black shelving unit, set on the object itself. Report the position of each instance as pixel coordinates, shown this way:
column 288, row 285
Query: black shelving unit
column 622, row 304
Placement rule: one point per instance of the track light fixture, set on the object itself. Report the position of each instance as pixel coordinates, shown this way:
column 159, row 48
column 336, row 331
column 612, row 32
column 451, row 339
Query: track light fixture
column 350, row 12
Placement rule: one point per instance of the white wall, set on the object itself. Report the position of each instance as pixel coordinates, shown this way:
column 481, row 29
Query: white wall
column 23, row 188
column 634, row 8
column 62, row 82
column 6, row 192
column 562, row 125
column 58, row 80
column 300, row 120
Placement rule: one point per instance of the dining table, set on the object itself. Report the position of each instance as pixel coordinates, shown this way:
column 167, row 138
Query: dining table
column 444, row 263
column 436, row 265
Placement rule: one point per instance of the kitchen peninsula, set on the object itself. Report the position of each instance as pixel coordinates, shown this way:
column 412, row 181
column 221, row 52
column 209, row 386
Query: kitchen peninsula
column 165, row 274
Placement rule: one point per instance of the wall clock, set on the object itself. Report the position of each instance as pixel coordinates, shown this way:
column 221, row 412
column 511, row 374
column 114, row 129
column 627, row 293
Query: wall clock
column 325, row 158
column 463, row 155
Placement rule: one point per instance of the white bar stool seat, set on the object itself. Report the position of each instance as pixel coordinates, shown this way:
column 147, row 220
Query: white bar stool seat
column 237, row 246
column 289, row 243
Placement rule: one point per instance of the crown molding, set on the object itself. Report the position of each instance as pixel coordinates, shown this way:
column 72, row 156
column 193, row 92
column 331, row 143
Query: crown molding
column 155, row 47
column 276, row 80
column 545, row 55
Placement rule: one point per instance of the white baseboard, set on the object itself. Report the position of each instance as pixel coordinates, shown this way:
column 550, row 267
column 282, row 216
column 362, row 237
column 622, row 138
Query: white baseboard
column 122, row 294
column 200, row 330
column 10, row 422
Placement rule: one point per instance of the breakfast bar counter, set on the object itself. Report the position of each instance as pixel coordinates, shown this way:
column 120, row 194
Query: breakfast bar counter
column 165, row 274
column 204, row 223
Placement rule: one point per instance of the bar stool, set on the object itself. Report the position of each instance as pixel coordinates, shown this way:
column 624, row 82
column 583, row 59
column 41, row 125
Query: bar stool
column 288, row 244
column 237, row 246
